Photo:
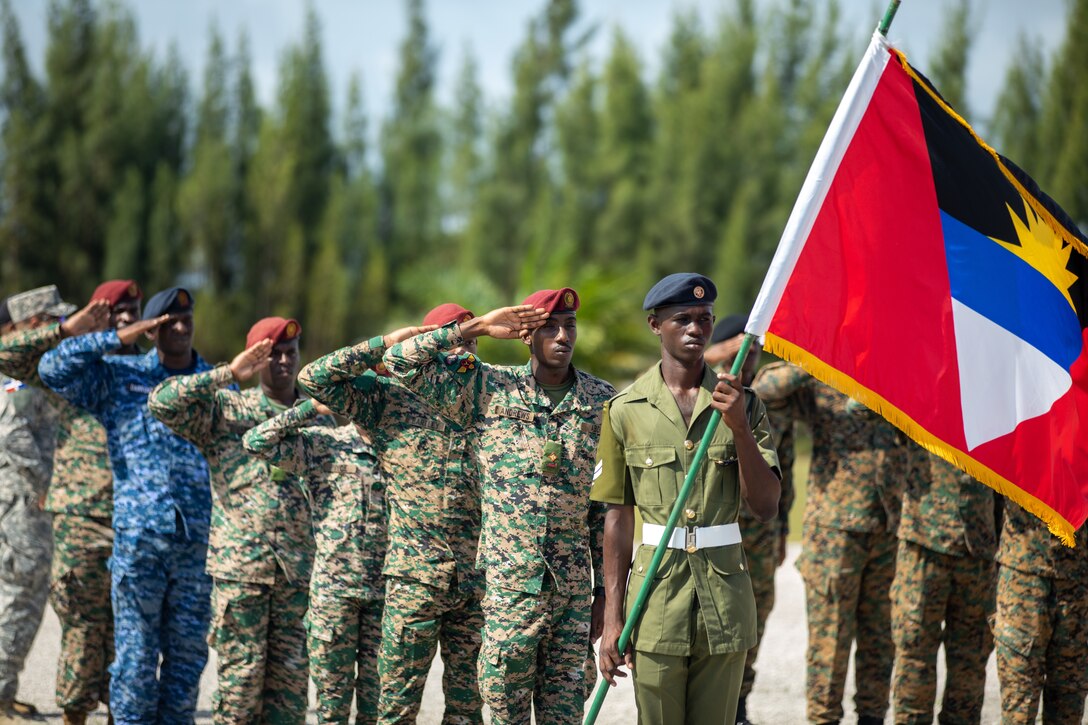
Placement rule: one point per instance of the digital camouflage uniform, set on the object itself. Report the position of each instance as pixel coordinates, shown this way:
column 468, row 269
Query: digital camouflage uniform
column 762, row 542
column 699, row 618
column 81, row 500
column 542, row 538
column 1041, row 628
column 347, row 496
column 161, row 505
column 432, row 588
column 945, row 574
column 260, row 550
column 859, row 466
column 27, row 435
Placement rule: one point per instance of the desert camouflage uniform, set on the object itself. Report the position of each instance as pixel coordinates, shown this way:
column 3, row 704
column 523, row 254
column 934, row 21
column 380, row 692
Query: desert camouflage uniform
column 432, row 588
column 27, row 436
column 762, row 542
column 260, row 550
column 859, row 466
column 945, row 574
column 347, row 494
column 542, row 538
column 161, row 504
column 81, row 500
column 1041, row 628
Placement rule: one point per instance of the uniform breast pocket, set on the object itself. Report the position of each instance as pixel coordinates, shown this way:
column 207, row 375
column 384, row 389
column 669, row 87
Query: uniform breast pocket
column 722, row 474
column 653, row 473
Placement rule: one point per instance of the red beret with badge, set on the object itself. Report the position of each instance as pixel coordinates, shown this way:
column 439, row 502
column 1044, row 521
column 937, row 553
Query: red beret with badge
column 446, row 313
column 554, row 300
column 276, row 329
column 117, row 291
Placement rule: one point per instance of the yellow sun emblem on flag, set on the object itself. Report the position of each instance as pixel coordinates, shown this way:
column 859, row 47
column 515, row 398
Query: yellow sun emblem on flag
column 1043, row 249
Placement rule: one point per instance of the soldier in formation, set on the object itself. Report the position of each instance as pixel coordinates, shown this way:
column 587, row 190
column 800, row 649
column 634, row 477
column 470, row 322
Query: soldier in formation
column 260, row 548
column 80, row 499
column 160, row 592
column 433, row 589
column 859, row 467
column 27, row 440
column 339, row 466
column 534, row 429
column 764, row 541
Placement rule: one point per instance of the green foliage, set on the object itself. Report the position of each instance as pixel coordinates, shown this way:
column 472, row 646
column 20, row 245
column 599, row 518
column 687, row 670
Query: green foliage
column 590, row 175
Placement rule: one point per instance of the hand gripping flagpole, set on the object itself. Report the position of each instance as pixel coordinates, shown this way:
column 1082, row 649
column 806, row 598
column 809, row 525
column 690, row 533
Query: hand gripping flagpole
column 662, row 547
column 689, row 480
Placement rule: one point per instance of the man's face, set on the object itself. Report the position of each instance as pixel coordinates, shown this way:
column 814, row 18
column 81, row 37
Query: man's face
column 282, row 366
column 469, row 346
column 124, row 313
column 684, row 331
column 175, row 336
column 553, row 343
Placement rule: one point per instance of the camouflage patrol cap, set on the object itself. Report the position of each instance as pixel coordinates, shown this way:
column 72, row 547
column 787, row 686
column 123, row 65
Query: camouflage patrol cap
column 40, row 301
column 276, row 329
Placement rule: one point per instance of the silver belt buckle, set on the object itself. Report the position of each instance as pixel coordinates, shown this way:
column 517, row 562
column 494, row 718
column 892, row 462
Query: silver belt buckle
column 689, row 540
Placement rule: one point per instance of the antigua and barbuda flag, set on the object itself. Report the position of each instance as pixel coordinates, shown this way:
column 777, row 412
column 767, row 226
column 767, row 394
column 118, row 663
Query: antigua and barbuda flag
column 926, row 276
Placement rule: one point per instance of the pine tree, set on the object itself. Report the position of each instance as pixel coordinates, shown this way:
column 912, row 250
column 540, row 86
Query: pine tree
column 465, row 160
column 1017, row 113
column 948, row 64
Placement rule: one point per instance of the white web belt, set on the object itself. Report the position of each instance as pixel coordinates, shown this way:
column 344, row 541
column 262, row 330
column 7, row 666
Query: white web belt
column 694, row 538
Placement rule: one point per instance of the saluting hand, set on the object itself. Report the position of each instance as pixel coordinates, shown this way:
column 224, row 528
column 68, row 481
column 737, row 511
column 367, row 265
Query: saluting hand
column 505, row 323
column 728, row 399
column 251, row 360
column 406, row 333
column 92, row 318
column 129, row 334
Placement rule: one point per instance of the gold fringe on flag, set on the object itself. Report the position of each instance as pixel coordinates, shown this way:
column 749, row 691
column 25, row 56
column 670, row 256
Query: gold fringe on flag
column 843, row 382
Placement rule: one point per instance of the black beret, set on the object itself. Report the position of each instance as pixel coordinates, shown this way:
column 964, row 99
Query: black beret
column 681, row 289
column 170, row 301
column 728, row 328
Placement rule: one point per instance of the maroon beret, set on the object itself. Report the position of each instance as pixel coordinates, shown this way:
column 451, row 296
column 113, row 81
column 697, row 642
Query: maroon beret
column 554, row 300
column 446, row 313
column 276, row 329
column 117, row 290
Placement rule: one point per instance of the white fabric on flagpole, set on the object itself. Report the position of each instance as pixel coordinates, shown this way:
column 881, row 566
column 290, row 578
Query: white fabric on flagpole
column 820, row 175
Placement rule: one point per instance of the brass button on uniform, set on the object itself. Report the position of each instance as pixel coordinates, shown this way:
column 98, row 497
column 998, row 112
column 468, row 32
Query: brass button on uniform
column 649, row 461
column 690, row 513
column 689, row 445
column 692, row 549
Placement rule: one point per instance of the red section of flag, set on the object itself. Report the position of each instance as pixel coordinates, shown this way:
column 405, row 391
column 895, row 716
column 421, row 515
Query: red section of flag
column 870, row 295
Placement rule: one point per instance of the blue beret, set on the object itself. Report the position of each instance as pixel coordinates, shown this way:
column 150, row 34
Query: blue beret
column 681, row 289
column 728, row 328
column 169, row 301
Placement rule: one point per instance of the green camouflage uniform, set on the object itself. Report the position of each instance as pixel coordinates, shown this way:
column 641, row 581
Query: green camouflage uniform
column 542, row 538
column 260, row 550
column 432, row 588
column 80, row 498
column 945, row 574
column 859, row 466
column 348, row 499
column 1041, row 629
column 762, row 542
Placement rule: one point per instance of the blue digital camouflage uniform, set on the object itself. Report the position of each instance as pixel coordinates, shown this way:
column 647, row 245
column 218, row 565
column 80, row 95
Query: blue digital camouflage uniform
column 340, row 467
column 162, row 504
column 27, row 434
column 433, row 590
column 260, row 550
column 542, row 538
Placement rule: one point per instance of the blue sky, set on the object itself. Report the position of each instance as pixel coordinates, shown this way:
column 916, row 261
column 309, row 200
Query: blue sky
column 363, row 35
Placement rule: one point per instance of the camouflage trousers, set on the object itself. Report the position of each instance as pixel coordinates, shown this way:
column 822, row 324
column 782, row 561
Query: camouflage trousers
column 26, row 546
column 260, row 646
column 80, row 595
column 161, row 598
column 1041, row 637
column 761, row 543
column 343, row 633
column 533, row 656
column 847, row 578
column 931, row 588
column 418, row 618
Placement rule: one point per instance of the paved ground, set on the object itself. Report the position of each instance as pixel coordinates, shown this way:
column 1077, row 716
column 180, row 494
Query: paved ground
column 778, row 695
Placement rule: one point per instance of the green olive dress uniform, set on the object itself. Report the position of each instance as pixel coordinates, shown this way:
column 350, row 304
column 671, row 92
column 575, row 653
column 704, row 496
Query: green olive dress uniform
column 700, row 617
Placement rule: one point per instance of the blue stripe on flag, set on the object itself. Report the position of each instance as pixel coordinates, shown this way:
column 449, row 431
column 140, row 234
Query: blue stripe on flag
column 1004, row 288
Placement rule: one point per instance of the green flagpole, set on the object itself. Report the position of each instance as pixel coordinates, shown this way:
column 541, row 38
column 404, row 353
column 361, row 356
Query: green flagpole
column 689, row 480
